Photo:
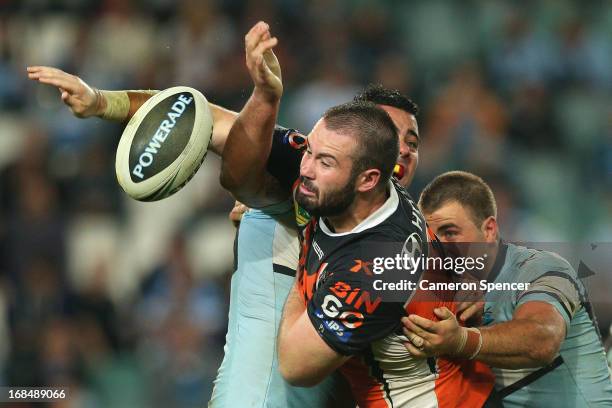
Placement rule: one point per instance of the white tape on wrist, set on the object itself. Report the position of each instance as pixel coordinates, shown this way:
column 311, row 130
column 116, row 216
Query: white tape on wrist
column 475, row 342
column 117, row 105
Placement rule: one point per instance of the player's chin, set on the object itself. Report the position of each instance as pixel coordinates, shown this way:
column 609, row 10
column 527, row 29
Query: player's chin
column 407, row 178
column 306, row 201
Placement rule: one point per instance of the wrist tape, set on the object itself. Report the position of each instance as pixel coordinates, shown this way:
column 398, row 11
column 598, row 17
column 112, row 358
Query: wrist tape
column 473, row 343
column 117, row 104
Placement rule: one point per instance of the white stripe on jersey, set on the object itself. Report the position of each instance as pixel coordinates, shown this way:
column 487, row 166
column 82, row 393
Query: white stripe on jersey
column 286, row 245
column 409, row 379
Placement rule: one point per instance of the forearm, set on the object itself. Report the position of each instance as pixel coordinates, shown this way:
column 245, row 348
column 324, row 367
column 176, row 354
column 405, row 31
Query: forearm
column 223, row 120
column 248, row 146
column 126, row 103
column 137, row 99
column 518, row 344
column 290, row 354
column 121, row 105
column 304, row 358
column 294, row 307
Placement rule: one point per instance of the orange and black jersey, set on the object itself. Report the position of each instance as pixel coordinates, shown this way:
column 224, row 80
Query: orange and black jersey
column 337, row 274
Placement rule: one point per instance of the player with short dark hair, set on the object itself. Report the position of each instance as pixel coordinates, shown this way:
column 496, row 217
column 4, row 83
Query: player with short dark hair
column 376, row 147
column 266, row 260
column 542, row 342
column 467, row 189
column 266, row 248
column 374, row 135
column 380, row 95
column 331, row 318
column 403, row 111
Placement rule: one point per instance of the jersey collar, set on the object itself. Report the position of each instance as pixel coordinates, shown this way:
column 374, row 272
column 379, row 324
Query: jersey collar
column 500, row 260
column 374, row 219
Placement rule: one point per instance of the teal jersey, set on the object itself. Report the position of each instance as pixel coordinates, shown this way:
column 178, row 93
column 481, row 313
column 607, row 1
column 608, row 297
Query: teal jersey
column 267, row 252
column 579, row 376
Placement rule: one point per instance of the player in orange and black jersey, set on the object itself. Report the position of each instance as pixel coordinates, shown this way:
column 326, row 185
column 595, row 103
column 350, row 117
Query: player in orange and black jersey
column 336, row 285
column 345, row 186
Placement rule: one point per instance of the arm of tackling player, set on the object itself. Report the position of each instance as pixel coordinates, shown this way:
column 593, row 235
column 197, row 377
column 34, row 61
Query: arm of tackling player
column 86, row 101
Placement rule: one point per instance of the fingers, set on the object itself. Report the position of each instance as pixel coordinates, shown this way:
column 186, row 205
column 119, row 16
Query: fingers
column 410, row 329
column 443, row 313
column 38, row 69
column 237, row 212
column 258, row 40
column 415, row 351
column 263, row 47
column 266, row 48
column 35, row 72
column 59, row 79
column 422, row 323
column 261, row 62
column 266, row 45
column 414, row 338
column 462, row 306
column 472, row 310
column 253, row 37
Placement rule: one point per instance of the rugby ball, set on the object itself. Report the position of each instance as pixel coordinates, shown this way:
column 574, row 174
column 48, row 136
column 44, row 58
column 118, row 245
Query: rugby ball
column 164, row 144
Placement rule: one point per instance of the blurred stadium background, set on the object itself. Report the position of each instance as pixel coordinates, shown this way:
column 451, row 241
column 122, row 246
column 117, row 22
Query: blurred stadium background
column 126, row 302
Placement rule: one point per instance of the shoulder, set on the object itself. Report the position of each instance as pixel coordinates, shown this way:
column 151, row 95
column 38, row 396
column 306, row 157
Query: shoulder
column 290, row 137
column 534, row 263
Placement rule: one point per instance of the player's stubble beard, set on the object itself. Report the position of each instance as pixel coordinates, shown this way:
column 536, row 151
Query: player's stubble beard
column 332, row 203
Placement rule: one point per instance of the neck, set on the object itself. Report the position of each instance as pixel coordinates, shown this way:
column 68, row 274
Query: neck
column 359, row 210
column 491, row 250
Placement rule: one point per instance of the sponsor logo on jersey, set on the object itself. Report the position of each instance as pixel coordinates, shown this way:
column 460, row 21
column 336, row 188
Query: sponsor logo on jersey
column 336, row 327
column 331, row 306
column 317, row 249
column 359, row 299
column 413, row 246
column 332, row 309
column 362, row 266
column 351, row 319
column 296, row 140
column 322, row 275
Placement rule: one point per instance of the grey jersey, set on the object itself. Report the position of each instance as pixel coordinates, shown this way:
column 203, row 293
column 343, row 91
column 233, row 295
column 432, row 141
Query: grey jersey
column 579, row 377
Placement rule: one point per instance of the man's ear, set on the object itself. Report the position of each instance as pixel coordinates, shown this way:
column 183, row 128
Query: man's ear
column 490, row 229
column 367, row 180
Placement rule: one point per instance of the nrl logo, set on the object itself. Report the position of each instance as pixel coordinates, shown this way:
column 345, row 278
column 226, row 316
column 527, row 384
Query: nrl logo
column 302, row 218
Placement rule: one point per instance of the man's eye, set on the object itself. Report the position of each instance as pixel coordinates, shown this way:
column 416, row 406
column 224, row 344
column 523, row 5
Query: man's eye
column 450, row 234
column 325, row 164
column 413, row 145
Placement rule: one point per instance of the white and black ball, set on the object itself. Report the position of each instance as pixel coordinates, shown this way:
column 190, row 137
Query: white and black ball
column 164, row 144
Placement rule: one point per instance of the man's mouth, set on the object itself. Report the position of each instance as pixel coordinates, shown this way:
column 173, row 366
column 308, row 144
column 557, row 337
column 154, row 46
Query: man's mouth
column 399, row 170
column 305, row 191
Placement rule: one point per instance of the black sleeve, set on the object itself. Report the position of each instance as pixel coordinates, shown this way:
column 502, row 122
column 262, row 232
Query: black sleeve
column 347, row 313
column 286, row 155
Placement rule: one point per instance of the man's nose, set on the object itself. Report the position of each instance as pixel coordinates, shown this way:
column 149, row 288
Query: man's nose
column 306, row 168
column 404, row 149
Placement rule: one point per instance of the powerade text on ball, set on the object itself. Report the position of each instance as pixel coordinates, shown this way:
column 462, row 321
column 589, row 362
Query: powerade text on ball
column 147, row 156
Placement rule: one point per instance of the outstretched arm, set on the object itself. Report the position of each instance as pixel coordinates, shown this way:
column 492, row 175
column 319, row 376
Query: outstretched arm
column 531, row 339
column 243, row 169
column 86, row 101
